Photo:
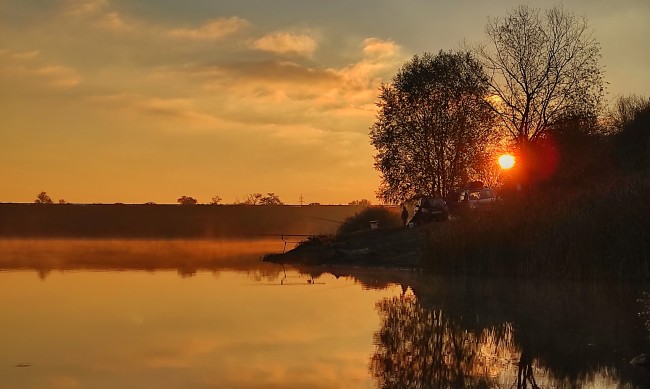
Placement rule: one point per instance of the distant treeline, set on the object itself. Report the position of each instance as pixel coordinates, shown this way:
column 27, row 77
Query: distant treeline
column 167, row 221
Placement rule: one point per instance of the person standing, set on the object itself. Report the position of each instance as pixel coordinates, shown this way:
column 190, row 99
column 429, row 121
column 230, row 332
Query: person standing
column 405, row 215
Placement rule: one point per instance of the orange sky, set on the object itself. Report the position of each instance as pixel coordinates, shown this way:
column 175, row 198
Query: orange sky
column 121, row 101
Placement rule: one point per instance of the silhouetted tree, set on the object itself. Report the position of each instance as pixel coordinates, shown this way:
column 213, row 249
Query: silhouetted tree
column 251, row 199
column 626, row 109
column 215, row 200
column 186, row 200
column 43, row 198
column 62, row 201
column 362, row 202
column 543, row 69
column 433, row 123
column 633, row 141
column 259, row 199
column 270, row 199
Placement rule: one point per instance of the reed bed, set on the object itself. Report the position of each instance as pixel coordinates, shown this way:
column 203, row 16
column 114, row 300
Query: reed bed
column 600, row 231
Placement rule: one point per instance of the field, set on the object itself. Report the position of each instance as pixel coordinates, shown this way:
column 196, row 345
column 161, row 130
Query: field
column 167, row 221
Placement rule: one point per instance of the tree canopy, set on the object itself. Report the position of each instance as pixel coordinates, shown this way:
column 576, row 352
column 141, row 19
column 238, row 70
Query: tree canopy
column 432, row 126
column 260, row 199
column 187, row 200
column 43, row 198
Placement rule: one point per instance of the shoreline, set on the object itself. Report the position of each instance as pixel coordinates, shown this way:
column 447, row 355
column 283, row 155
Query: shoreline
column 382, row 248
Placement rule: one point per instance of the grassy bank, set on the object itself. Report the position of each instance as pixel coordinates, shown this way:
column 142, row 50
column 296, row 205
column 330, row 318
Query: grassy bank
column 599, row 231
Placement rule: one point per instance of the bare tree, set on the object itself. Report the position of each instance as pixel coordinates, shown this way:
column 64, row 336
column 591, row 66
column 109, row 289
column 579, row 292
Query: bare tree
column 543, row 68
column 43, row 198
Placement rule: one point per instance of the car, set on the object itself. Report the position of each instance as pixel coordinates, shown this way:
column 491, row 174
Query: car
column 428, row 209
column 480, row 197
column 472, row 196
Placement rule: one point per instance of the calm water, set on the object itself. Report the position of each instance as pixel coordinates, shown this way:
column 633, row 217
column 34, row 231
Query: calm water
column 194, row 314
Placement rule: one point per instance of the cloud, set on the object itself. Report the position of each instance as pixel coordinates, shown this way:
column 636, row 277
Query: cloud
column 27, row 65
column 287, row 43
column 24, row 55
column 113, row 21
column 375, row 47
column 177, row 111
column 60, row 76
column 287, row 97
column 84, row 7
column 99, row 13
column 211, row 30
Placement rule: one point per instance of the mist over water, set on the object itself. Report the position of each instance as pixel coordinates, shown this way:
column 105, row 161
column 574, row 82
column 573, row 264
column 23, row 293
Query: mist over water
column 108, row 313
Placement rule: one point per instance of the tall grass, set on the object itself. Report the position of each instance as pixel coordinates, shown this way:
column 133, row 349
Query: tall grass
column 596, row 232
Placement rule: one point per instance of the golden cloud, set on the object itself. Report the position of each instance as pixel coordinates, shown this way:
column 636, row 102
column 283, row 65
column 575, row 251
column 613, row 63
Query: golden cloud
column 84, row 7
column 60, row 76
column 287, row 43
column 291, row 97
column 114, row 21
column 212, row 30
column 27, row 66
column 380, row 48
column 25, row 55
column 181, row 111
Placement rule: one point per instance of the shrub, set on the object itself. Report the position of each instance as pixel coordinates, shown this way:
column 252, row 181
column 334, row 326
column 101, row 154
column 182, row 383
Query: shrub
column 386, row 217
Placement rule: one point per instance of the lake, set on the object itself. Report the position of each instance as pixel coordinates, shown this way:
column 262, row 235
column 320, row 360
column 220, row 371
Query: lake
column 210, row 314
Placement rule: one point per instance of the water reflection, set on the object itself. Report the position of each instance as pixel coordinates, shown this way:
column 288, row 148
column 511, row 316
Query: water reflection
column 477, row 334
column 418, row 347
column 233, row 321
column 186, row 257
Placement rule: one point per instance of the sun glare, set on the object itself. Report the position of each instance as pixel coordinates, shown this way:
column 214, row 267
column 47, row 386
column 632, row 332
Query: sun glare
column 506, row 161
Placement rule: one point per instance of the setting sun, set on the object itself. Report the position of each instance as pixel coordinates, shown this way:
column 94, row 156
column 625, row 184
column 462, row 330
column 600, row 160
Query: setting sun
column 506, row 161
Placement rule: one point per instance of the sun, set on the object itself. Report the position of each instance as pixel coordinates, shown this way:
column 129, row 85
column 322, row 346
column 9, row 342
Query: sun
column 506, row 161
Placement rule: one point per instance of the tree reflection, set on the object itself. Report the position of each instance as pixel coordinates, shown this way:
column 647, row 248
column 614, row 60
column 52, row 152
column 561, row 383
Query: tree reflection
column 447, row 333
column 421, row 348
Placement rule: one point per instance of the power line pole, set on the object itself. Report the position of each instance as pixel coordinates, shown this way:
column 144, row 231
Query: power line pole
column 301, row 200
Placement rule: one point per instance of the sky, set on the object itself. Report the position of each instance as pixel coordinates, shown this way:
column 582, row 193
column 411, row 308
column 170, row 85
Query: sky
column 105, row 101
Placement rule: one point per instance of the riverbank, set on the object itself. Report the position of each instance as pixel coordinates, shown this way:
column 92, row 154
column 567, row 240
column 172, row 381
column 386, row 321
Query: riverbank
column 599, row 232
column 384, row 247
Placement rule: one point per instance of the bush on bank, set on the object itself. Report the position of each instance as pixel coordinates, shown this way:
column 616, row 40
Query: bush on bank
column 386, row 218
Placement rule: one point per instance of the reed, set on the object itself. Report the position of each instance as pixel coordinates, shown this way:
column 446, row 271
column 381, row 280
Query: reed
column 600, row 231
